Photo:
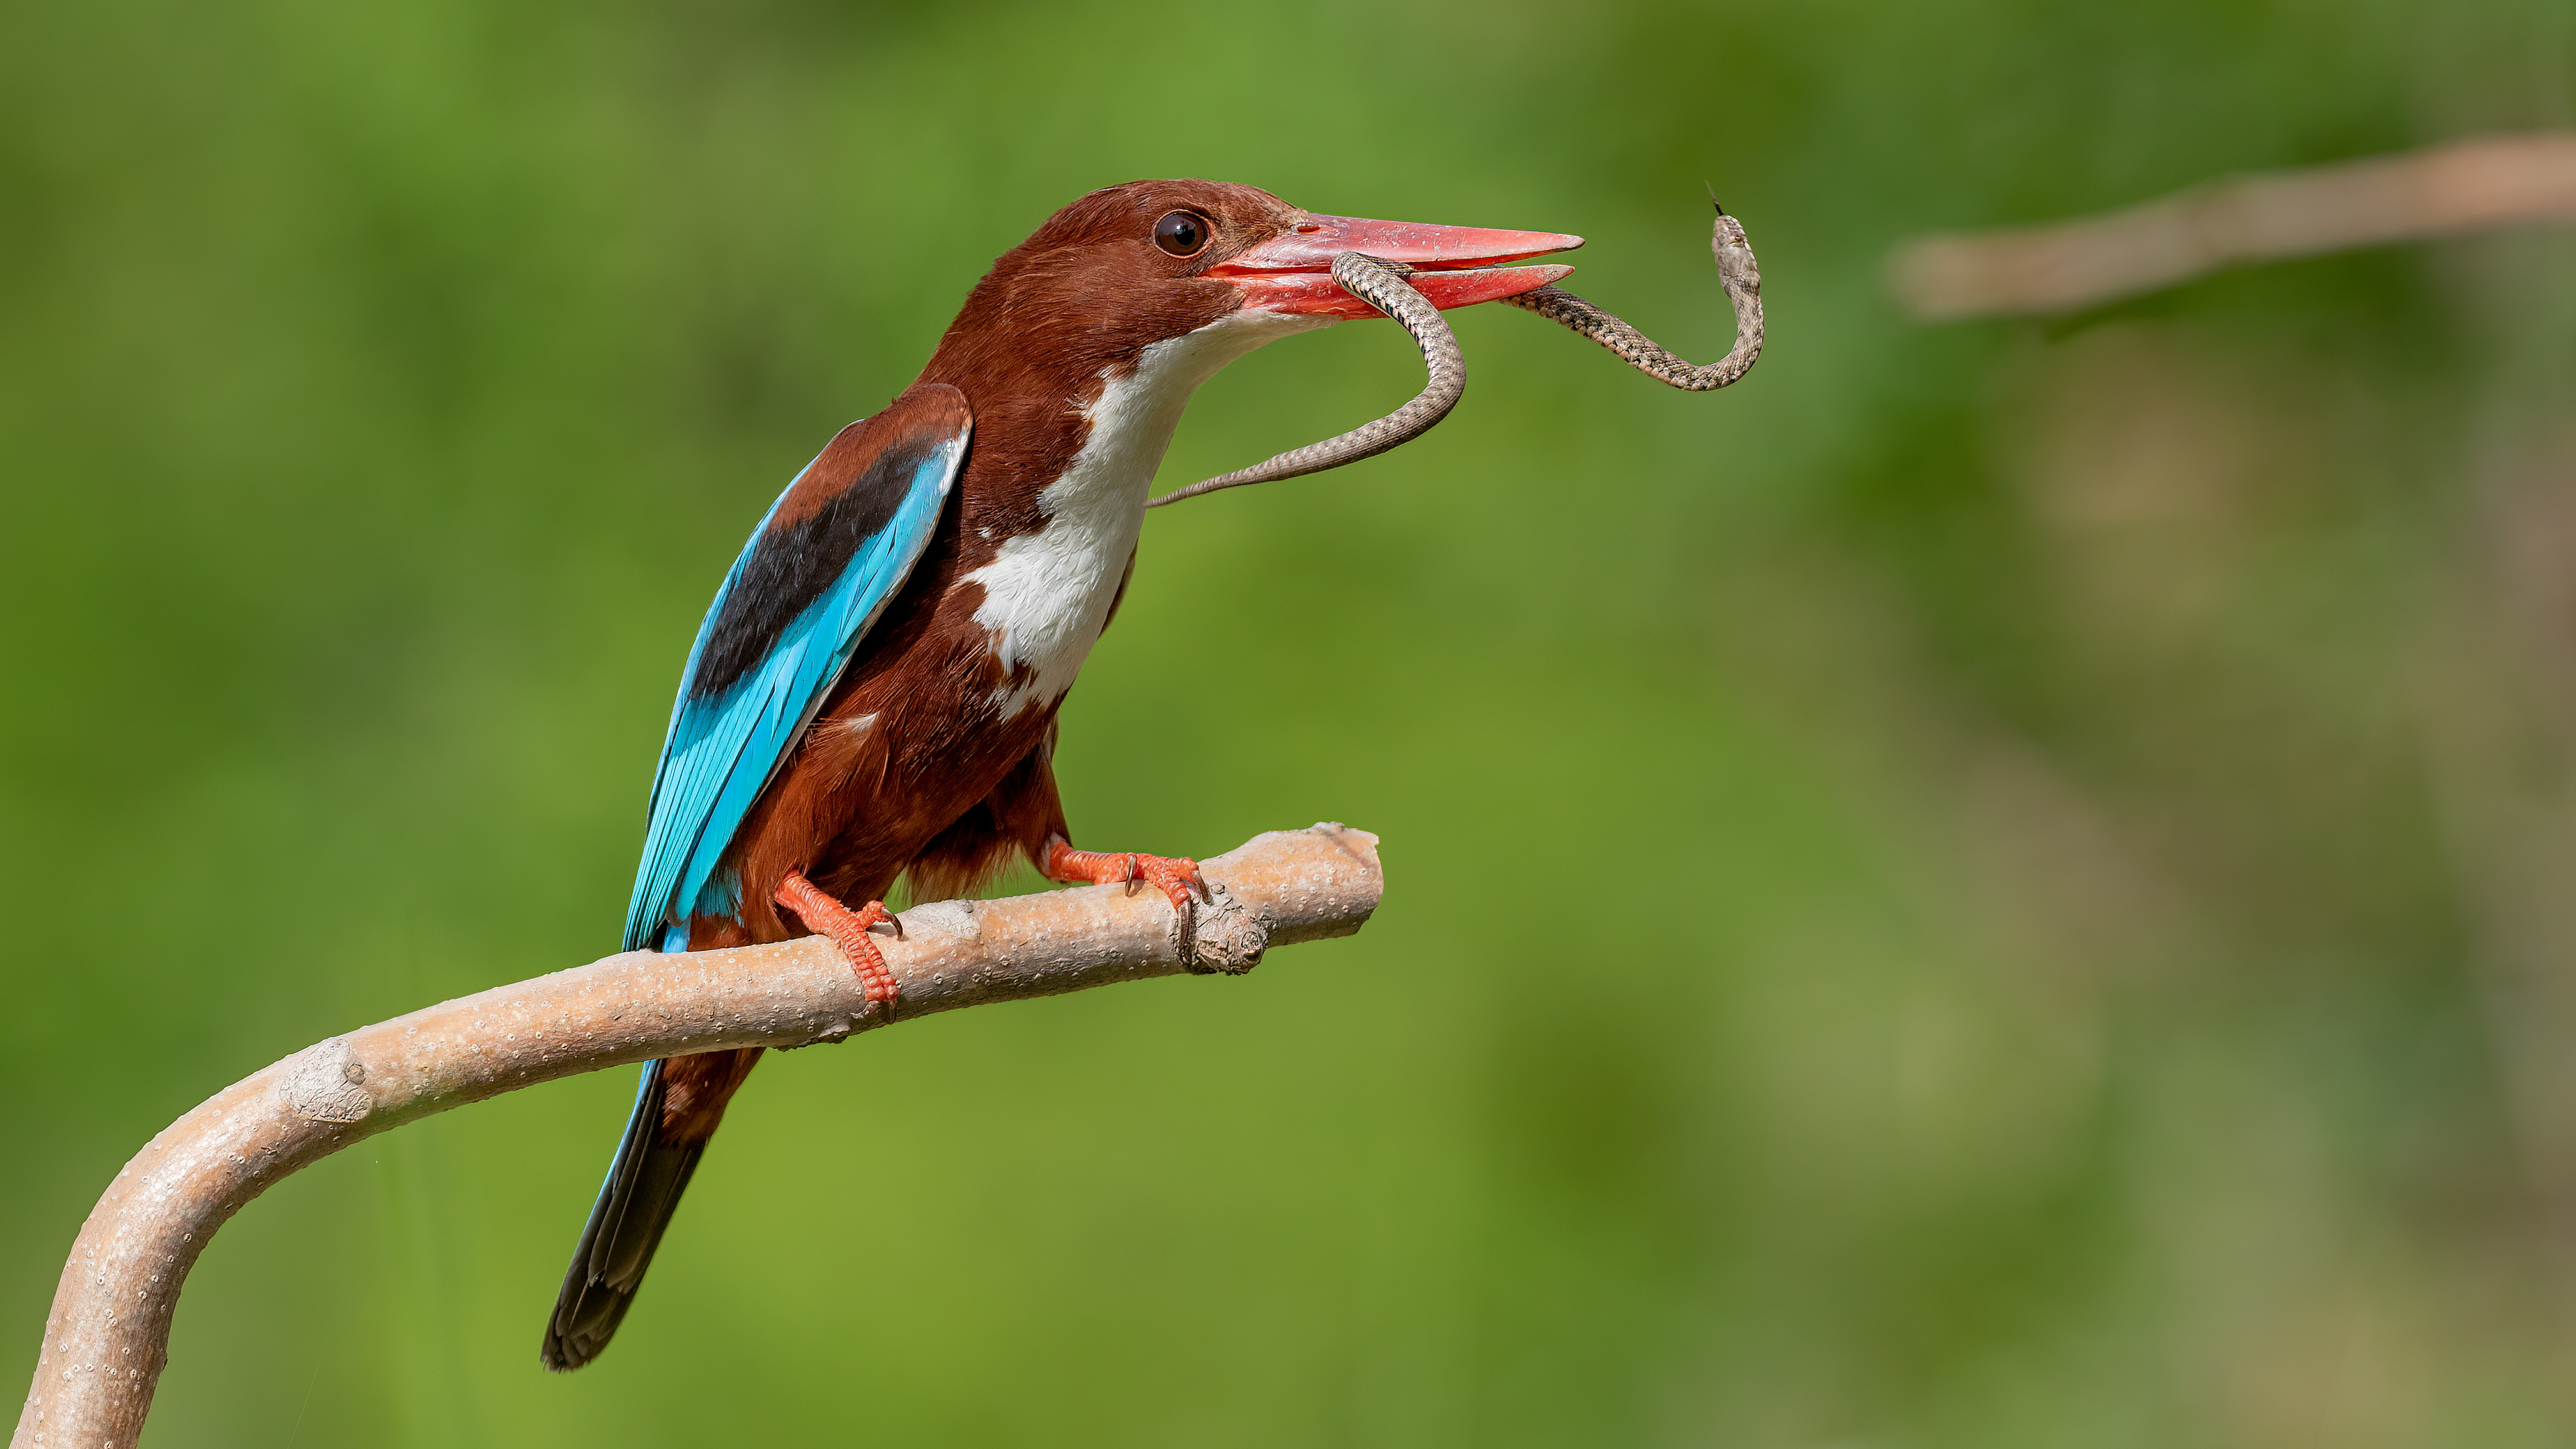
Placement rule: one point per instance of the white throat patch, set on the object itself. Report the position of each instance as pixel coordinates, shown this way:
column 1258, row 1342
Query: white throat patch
column 1047, row 593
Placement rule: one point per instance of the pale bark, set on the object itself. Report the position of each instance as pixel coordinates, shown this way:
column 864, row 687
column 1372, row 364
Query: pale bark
column 2445, row 190
column 106, row 1338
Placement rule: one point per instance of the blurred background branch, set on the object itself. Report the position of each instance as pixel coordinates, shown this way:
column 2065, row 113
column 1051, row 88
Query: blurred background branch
column 2460, row 186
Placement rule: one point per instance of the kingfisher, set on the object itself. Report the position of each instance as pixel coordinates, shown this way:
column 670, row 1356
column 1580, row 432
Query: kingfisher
column 873, row 694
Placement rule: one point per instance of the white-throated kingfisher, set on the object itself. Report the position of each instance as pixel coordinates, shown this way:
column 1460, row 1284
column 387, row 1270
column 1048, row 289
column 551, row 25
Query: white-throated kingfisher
column 873, row 694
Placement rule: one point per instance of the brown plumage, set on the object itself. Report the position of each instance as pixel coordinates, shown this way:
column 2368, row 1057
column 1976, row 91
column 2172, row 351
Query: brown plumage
column 931, row 756
column 941, row 783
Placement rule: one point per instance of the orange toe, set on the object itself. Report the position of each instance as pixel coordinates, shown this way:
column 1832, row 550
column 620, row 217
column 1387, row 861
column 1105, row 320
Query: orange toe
column 1177, row 876
column 848, row 930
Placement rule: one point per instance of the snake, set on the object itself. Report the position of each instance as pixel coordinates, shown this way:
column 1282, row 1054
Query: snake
column 1381, row 284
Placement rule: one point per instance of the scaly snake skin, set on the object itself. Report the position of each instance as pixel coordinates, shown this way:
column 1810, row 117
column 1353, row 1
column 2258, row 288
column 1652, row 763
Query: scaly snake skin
column 1381, row 284
column 1736, row 270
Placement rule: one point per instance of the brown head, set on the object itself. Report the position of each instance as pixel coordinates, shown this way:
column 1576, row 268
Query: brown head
column 1129, row 266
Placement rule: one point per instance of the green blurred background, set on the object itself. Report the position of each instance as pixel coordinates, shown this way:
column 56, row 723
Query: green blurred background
column 1996, row 885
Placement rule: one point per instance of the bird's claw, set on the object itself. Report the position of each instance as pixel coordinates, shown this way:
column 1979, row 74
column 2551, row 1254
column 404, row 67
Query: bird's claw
column 849, row 930
column 1177, row 876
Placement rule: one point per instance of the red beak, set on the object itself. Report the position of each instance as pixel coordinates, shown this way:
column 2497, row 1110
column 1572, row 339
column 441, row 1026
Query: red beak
column 1453, row 266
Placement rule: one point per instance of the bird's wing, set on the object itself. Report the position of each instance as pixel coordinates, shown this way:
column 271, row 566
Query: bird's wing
column 816, row 573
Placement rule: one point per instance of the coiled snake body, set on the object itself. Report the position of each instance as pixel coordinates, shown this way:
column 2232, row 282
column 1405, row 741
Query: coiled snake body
column 1381, row 284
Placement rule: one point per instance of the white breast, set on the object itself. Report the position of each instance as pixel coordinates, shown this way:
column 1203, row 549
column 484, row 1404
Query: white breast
column 1047, row 593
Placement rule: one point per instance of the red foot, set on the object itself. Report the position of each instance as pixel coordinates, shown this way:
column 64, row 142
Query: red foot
column 1179, row 878
column 848, row 930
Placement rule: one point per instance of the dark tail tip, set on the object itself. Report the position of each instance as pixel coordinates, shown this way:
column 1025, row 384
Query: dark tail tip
column 585, row 1318
column 644, row 1184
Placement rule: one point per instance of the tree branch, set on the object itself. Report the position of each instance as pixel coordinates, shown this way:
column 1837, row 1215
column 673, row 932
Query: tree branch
column 107, row 1338
column 2461, row 186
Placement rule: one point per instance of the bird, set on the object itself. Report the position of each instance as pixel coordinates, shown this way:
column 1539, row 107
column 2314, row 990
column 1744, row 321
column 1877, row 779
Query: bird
column 873, row 693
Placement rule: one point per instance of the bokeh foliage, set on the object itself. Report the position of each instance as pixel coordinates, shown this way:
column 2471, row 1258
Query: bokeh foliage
column 1994, row 886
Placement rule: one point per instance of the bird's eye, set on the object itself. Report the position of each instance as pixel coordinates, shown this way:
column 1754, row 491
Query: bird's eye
column 1181, row 234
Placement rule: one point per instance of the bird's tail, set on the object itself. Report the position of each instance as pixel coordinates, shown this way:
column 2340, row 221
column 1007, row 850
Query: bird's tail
column 652, row 1168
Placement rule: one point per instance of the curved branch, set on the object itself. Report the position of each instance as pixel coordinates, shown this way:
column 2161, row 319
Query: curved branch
column 107, row 1336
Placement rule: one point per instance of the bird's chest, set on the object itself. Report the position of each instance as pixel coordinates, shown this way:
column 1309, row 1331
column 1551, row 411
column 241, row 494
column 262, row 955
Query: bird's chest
column 1048, row 590
column 1047, row 593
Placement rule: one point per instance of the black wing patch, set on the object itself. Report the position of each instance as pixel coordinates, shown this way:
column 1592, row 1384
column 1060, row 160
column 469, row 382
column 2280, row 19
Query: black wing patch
column 797, row 561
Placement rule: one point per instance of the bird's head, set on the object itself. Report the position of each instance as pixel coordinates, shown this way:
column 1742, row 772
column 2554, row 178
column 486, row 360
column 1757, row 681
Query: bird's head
column 1155, row 261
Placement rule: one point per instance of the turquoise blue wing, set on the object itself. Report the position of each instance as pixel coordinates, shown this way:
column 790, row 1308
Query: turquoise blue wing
column 826, row 559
